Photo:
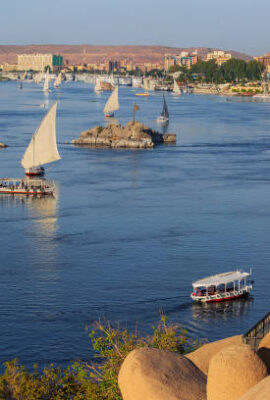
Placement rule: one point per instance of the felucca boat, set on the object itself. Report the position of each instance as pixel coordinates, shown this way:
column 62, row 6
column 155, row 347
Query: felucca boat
column 176, row 88
column 226, row 286
column 46, row 83
column 112, row 104
column 58, row 81
column 164, row 116
column 98, row 87
column 42, row 148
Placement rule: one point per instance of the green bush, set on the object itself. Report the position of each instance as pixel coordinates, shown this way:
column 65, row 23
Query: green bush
column 93, row 381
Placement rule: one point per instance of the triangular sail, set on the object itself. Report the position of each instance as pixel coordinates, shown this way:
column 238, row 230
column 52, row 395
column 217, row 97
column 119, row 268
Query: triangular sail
column 98, row 85
column 165, row 112
column 58, row 80
column 42, row 148
column 145, row 84
column 39, row 78
column 176, row 88
column 46, row 83
column 112, row 103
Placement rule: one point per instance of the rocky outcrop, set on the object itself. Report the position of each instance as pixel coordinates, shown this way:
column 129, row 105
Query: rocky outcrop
column 2, row 145
column 233, row 371
column 202, row 356
column 264, row 351
column 132, row 135
column 152, row 374
column 261, row 391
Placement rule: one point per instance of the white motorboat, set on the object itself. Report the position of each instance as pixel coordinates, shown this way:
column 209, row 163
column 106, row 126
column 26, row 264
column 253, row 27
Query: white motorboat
column 27, row 186
column 221, row 287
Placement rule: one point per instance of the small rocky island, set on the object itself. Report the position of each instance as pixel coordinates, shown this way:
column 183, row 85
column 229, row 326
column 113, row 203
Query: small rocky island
column 133, row 135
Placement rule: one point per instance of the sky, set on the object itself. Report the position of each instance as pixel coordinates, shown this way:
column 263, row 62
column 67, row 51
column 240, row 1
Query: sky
column 241, row 25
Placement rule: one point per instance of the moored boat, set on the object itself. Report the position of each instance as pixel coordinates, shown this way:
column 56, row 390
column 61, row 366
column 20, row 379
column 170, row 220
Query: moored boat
column 27, row 186
column 222, row 287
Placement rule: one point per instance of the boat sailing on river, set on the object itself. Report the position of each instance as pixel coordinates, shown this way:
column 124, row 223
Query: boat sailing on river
column 112, row 104
column 226, row 286
column 42, row 148
column 164, row 116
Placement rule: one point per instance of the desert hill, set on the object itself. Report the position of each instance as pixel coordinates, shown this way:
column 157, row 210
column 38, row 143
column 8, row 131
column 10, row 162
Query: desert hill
column 84, row 54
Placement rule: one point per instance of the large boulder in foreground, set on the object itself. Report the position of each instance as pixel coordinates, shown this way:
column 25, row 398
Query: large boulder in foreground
column 2, row 145
column 152, row 374
column 261, row 391
column 132, row 135
column 202, row 356
column 264, row 351
column 233, row 371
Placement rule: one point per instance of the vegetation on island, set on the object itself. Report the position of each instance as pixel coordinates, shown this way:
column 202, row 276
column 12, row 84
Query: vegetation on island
column 95, row 381
column 232, row 71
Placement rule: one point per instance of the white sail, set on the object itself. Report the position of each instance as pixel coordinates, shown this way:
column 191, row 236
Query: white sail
column 98, row 86
column 46, row 83
column 176, row 88
column 58, row 80
column 145, row 84
column 42, row 148
column 38, row 78
column 112, row 103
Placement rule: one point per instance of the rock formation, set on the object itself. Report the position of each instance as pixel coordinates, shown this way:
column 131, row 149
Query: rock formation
column 132, row 135
column 152, row 374
column 264, row 351
column 233, row 371
column 261, row 391
column 202, row 356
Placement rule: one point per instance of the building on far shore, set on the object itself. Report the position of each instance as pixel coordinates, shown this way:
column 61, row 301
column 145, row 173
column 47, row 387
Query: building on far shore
column 183, row 59
column 38, row 62
column 219, row 56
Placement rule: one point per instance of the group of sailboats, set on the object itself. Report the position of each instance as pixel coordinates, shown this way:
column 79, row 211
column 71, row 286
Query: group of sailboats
column 112, row 105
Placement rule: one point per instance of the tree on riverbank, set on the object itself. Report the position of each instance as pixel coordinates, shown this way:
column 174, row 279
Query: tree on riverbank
column 91, row 381
column 233, row 71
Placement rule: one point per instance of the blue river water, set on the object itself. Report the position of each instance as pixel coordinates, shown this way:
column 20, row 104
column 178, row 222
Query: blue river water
column 128, row 231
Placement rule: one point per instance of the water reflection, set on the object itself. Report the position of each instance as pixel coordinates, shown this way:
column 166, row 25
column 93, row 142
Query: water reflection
column 43, row 209
column 223, row 310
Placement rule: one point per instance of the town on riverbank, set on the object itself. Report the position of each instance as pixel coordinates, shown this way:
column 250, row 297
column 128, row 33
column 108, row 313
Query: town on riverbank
column 202, row 70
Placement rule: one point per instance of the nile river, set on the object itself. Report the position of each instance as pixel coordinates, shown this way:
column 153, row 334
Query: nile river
column 128, row 231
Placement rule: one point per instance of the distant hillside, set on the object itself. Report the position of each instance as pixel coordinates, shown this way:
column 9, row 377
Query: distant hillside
column 84, row 54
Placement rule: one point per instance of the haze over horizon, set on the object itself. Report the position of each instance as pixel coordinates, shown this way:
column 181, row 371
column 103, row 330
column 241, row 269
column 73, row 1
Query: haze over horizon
column 238, row 25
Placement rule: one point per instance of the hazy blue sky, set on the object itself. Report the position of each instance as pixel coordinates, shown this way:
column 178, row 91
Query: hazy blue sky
column 241, row 25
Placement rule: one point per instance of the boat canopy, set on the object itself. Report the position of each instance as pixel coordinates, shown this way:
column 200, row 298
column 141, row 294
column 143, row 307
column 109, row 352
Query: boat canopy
column 218, row 279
